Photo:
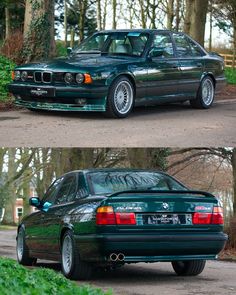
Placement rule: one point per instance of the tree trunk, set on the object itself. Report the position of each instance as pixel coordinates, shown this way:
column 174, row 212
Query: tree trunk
column 8, row 24
column 10, row 201
column 211, row 20
column 114, row 8
column 234, row 179
column 177, row 12
column 104, row 15
column 65, row 22
column 170, row 14
column 82, row 8
column 99, row 15
column 72, row 37
column 187, row 20
column 39, row 40
column 198, row 20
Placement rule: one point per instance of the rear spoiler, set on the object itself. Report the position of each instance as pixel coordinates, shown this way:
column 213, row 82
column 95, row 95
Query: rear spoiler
column 179, row 192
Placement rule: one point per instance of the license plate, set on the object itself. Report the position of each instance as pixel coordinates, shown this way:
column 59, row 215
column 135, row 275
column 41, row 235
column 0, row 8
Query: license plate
column 161, row 219
column 42, row 92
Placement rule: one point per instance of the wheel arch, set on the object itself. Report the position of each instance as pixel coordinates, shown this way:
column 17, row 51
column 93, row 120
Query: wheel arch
column 211, row 75
column 63, row 231
column 125, row 74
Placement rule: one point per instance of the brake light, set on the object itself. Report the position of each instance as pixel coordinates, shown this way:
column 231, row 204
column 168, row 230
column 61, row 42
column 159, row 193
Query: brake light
column 209, row 218
column 217, row 216
column 201, row 218
column 107, row 216
column 125, row 218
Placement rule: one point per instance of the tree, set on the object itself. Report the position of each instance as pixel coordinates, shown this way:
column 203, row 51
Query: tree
column 195, row 19
column 39, row 31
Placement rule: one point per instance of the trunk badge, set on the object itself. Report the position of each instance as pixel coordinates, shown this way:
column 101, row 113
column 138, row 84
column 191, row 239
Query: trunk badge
column 165, row 206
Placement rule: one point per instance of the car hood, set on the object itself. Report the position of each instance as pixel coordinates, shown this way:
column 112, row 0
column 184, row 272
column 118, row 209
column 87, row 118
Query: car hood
column 85, row 62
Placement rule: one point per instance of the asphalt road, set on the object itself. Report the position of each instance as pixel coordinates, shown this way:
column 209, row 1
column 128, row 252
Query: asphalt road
column 172, row 125
column 150, row 279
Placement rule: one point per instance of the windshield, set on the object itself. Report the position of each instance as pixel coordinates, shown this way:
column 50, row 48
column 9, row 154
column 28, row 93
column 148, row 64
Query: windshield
column 111, row 182
column 114, row 43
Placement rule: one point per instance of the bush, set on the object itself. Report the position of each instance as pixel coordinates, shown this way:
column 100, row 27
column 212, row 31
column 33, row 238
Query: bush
column 6, row 67
column 15, row 279
column 12, row 47
column 61, row 50
column 230, row 74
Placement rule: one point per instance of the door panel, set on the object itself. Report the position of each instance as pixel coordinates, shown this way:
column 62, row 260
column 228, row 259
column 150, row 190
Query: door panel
column 163, row 69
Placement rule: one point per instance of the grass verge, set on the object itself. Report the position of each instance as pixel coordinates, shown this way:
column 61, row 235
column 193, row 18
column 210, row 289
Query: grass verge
column 230, row 74
column 7, row 227
column 16, row 279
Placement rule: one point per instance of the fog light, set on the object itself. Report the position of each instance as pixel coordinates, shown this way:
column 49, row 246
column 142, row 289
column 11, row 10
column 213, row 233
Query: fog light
column 18, row 97
column 80, row 101
column 24, row 76
column 68, row 78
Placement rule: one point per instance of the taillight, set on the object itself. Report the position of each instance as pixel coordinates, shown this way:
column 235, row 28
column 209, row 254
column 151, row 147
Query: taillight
column 107, row 216
column 125, row 218
column 201, row 218
column 216, row 217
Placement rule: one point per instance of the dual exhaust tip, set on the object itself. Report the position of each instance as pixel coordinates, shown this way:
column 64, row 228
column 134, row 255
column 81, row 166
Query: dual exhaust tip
column 117, row 257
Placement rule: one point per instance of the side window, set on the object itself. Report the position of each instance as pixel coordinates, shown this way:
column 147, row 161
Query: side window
column 196, row 50
column 163, row 41
column 82, row 189
column 67, row 190
column 51, row 192
column 183, row 48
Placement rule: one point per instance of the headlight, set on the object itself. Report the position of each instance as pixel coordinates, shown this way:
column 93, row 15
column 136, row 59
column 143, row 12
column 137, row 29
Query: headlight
column 17, row 75
column 68, row 78
column 79, row 78
column 24, row 76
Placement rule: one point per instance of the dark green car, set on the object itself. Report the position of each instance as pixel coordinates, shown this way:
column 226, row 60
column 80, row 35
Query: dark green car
column 109, row 217
column 113, row 71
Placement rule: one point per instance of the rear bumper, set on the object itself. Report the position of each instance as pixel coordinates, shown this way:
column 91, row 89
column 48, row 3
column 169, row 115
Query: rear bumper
column 220, row 83
column 61, row 98
column 151, row 247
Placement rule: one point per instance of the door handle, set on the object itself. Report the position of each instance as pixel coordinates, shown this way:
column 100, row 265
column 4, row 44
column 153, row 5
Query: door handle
column 199, row 65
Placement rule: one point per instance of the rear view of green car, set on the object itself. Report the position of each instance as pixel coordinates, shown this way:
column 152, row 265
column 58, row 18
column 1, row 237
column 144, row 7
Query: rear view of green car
column 110, row 217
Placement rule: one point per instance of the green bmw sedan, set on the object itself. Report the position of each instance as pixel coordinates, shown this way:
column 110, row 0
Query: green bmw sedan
column 109, row 217
column 114, row 71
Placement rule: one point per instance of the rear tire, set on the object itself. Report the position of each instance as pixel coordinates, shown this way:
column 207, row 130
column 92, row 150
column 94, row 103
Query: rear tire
column 72, row 266
column 22, row 250
column 188, row 268
column 205, row 94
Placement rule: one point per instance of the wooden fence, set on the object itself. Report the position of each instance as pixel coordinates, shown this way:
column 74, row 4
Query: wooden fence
column 229, row 60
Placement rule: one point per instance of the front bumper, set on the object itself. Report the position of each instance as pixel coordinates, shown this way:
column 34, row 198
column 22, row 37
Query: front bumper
column 61, row 98
column 151, row 247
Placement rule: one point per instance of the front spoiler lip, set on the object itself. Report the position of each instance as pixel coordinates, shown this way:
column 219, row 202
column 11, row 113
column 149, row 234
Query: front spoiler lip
column 60, row 106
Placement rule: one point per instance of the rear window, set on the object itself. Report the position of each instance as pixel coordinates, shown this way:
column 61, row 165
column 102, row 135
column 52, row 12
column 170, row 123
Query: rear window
column 111, row 182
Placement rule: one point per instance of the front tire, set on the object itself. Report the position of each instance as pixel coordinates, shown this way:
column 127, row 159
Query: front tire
column 72, row 266
column 22, row 250
column 120, row 100
column 205, row 94
column 188, row 268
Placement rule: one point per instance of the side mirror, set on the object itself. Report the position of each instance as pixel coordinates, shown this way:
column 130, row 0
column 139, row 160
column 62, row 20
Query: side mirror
column 69, row 50
column 156, row 52
column 34, row 202
column 39, row 204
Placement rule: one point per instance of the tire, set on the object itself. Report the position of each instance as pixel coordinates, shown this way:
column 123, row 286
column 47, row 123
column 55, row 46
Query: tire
column 188, row 268
column 120, row 100
column 22, row 250
column 205, row 94
column 72, row 266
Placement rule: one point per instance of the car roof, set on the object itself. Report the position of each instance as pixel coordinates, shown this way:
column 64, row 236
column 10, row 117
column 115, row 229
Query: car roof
column 91, row 170
column 135, row 30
